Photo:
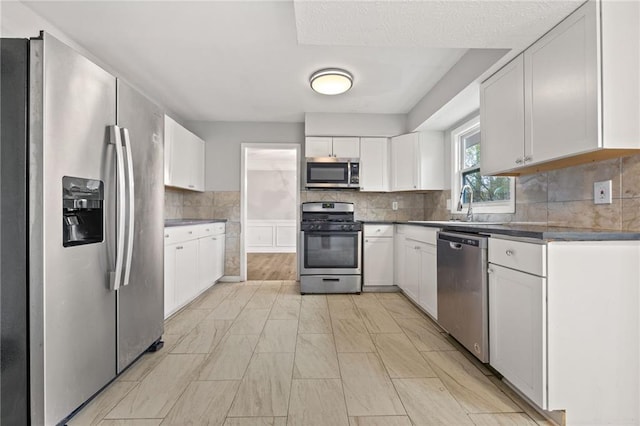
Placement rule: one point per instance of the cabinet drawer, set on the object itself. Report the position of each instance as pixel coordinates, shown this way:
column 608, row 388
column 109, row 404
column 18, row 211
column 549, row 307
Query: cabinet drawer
column 218, row 228
column 378, row 230
column 423, row 234
column 526, row 257
column 207, row 229
column 176, row 234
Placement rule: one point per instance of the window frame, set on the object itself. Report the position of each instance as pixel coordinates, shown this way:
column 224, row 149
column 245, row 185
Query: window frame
column 457, row 169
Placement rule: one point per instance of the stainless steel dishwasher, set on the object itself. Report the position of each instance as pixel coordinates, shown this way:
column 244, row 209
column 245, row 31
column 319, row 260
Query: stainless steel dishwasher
column 462, row 290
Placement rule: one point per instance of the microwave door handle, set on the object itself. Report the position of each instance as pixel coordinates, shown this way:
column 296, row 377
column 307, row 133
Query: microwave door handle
column 130, row 206
column 348, row 173
column 115, row 277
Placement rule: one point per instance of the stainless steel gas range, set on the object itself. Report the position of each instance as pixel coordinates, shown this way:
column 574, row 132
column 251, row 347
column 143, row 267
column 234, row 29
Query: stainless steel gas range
column 330, row 248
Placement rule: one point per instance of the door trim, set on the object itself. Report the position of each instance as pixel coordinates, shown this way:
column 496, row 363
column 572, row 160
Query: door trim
column 244, row 148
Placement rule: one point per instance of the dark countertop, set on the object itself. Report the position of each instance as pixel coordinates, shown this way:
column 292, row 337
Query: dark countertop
column 185, row 222
column 524, row 230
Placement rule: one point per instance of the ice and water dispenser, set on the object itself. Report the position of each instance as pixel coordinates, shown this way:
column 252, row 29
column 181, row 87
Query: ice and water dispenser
column 82, row 211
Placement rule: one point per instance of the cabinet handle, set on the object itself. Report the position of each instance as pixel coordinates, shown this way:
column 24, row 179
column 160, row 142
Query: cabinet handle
column 528, row 158
column 414, row 186
column 509, row 252
column 206, row 230
column 417, row 247
column 366, row 241
column 179, row 248
column 519, row 161
column 214, row 239
column 490, row 271
column 191, row 186
column 190, row 232
column 166, row 235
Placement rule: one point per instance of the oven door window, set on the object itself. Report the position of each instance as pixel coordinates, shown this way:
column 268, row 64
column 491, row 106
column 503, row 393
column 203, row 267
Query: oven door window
column 331, row 250
column 327, row 173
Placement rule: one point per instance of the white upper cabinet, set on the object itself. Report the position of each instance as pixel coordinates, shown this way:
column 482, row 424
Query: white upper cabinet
column 183, row 157
column 576, row 96
column 502, row 118
column 317, row 146
column 327, row 146
column 374, row 164
column 561, row 89
column 417, row 161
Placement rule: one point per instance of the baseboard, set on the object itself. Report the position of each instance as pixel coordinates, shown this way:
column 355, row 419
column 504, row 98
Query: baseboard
column 230, row 279
column 380, row 289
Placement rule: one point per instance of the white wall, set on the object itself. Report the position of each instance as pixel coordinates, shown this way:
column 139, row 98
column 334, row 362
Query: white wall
column 223, row 140
column 19, row 21
column 467, row 70
column 328, row 124
column 271, row 195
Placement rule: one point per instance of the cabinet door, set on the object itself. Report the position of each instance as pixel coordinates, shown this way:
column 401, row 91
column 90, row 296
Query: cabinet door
column 169, row 129
column 428, row 292
column 219, row 256
column 206, row 261
column 502, row 119
column 169, row 279
column 187, row 282
column 404, row 162
column 346, row 147
column 398, row 257
column 180, row 158
column 315, row 146
column 412, row 269
column 517, row 333
column 561, row 89
column 378, row 261
column 374, row 164
column 197, row 169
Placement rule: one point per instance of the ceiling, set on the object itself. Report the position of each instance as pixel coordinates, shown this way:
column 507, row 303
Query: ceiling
column 250, row 61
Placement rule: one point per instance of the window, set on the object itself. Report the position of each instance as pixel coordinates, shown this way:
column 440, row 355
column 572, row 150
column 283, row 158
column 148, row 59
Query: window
column 491, row 194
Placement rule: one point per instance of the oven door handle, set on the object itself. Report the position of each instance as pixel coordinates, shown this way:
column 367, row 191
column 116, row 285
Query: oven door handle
column 331, row 233
column 331, row 279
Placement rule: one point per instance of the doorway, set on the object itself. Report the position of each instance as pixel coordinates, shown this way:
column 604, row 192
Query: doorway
column 270, row 192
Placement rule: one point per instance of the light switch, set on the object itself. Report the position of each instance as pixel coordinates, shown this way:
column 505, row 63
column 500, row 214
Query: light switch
column 602, row 192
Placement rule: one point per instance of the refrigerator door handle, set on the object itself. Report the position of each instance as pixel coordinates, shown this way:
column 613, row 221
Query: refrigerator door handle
column 130, row 206
column 115, row 277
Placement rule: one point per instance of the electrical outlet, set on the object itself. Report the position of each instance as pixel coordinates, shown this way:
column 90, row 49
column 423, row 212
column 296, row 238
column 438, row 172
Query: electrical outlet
column 394, row 205
column 602, row 192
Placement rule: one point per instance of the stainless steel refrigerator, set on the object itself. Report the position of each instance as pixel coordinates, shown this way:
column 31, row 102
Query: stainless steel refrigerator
column 82, row 161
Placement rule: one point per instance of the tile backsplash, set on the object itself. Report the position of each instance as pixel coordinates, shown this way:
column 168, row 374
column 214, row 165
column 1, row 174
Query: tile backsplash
column 210, row 205
column 564, row 197
column 558, row 198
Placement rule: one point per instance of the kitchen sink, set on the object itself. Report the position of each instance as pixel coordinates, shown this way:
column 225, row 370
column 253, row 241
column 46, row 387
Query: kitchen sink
column 454, row 222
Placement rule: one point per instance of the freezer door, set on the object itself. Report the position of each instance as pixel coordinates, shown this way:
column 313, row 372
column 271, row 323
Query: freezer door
column 141, row 301
column 72, row 316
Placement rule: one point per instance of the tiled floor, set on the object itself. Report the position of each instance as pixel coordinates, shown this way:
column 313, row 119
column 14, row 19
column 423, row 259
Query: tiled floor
column 259, row 353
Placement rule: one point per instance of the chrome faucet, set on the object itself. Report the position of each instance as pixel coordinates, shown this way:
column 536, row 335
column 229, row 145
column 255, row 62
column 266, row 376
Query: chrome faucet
column 470, row 210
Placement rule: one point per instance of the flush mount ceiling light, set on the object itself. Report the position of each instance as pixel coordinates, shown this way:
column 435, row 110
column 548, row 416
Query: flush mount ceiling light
column 331, row 81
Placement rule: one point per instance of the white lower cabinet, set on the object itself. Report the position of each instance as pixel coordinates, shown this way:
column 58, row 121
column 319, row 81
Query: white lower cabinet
column 378, row 255
column 420, row 263
column 187, row 280
column 563, row 325
column 428, row 283
column 399, row 236
column 517, row 331
column 194, row 261
column 412, row 269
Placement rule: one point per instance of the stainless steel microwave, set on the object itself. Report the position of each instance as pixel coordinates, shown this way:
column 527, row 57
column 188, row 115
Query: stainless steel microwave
column 331, row 172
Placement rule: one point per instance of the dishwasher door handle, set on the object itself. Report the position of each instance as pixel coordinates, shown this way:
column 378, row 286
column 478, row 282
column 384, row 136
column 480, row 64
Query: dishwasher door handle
column 455, row 246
